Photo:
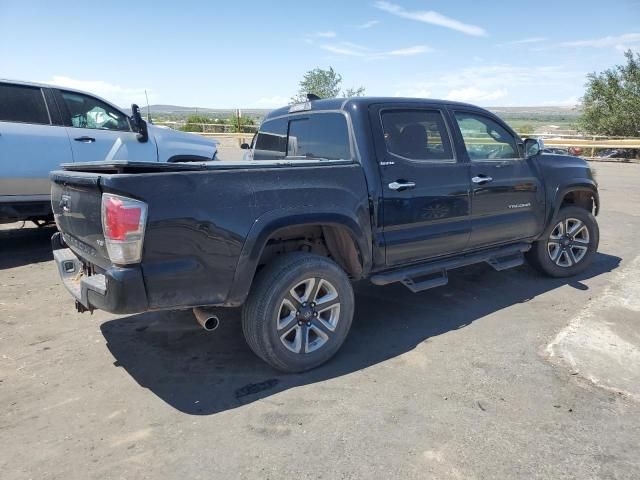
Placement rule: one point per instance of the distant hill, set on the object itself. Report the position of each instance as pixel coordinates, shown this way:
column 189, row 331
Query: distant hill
column 560, row 119
column 520, row 118
column 546, row 110
column 177, row 110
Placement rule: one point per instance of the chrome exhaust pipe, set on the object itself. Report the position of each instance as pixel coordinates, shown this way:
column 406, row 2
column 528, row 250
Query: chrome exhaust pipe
column 206, row 318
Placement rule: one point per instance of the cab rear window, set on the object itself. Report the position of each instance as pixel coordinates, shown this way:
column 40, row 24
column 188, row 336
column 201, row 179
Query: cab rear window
column 271, row 142
column 319, row 136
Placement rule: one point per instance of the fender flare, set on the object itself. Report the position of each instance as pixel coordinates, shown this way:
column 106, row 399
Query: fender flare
column 274, row 220
column 577, row 185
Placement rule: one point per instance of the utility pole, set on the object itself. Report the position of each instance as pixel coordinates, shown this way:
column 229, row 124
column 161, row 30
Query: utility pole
column 148, row 108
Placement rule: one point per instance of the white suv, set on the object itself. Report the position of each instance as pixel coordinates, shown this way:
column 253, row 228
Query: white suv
column 43, row 126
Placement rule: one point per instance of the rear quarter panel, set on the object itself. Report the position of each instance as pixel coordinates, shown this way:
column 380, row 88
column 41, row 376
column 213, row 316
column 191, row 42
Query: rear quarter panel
column 201, row 224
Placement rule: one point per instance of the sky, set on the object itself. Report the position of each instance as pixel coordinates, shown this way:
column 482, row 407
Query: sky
column 253, row 53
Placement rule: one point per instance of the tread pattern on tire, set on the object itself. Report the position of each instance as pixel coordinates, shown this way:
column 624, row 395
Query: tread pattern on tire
column 267, row 281
column 537, row 256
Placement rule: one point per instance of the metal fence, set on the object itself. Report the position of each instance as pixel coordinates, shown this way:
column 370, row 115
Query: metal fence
column 589, row 146
column 593, row 146
column 208, row 127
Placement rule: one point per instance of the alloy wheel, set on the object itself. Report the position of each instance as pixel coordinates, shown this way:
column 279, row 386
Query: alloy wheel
column 308, row 315
column 568, row 243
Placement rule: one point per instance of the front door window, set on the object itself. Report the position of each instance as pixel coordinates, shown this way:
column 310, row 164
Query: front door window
column 486, row 139
column 89, row 112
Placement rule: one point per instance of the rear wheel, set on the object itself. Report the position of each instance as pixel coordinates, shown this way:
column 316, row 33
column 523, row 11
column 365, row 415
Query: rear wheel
column 299, row 312
column 568, row 245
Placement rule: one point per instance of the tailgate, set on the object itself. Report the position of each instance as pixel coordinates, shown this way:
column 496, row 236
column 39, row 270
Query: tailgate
column 76, row 200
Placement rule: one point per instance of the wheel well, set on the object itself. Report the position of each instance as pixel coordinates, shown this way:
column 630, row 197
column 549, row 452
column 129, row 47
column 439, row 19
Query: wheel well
column 580, row 198
column 335, row 242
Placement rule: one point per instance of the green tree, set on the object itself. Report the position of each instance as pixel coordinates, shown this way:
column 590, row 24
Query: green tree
column 526, row 129
column 244, row 122
column 325, row 84
column 611, row 104
column 194, row 123
column 353, row 92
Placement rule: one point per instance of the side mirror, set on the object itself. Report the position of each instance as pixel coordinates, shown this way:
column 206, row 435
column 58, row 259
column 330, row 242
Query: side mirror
column 533, row 146
column 139, row 125
column 245, row 146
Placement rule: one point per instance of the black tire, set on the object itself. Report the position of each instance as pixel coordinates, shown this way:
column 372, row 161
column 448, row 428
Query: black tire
column 540, row 255
column 266, row 309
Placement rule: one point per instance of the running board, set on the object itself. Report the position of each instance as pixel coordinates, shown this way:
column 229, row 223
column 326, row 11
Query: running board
column 503, row 263
column 437, row 280
column 434, row 274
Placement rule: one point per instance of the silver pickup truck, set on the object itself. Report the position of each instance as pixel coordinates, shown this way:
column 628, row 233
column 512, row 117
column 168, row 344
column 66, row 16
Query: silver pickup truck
column 42, row 127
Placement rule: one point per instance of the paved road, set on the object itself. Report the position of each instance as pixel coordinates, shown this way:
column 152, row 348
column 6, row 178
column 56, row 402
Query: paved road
column 497, row 375
column 228, row 154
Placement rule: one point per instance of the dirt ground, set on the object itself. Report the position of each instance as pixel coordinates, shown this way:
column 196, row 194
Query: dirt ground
column 497, row 375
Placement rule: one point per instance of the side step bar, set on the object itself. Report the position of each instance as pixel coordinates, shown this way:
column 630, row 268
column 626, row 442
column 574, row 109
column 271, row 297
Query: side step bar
column 434, row 274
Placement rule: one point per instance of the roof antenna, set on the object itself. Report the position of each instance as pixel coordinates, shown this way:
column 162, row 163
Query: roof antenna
column 312, row 96
column 148, row 108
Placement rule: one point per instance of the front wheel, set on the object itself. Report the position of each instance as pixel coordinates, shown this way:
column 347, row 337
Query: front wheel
column 299, row 312
column 567, row 247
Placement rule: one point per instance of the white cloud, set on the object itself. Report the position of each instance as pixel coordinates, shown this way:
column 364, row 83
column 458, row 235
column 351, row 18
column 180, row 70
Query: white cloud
column 346, row 48
column 369, row 24
column 431, row 17
column 353, row 50
column 122, row 96
column 409, row 51
column 473, row 94
column 488, row 83
column 272, row 102
column 620, row 42
column 526, row 41
column 570, row 101
column 328, row 34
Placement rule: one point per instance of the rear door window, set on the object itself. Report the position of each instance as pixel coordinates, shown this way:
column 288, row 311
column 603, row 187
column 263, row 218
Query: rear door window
column 417, row 135
column 321, row 136
column 22, row 103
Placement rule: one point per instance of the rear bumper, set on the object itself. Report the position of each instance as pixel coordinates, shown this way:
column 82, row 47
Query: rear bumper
column 117, row 290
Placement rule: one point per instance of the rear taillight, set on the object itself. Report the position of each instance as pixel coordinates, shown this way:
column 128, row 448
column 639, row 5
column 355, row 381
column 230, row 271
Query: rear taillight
column 123, row 222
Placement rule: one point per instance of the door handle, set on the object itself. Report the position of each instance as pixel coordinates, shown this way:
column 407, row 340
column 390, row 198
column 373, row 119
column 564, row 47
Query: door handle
column 481, row 179
column 85, row 139
column 401, row 185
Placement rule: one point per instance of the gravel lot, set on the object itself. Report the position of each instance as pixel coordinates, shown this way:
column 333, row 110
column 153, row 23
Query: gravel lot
column 497, row 375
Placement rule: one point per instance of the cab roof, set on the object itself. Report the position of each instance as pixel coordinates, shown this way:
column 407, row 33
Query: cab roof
column 60, row 87
column 357, row 102
column 42, row 85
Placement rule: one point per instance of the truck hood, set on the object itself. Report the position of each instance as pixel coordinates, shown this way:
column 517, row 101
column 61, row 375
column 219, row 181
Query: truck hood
column 176, row 146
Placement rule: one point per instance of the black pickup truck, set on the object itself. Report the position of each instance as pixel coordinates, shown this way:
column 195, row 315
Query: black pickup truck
column 332, row 191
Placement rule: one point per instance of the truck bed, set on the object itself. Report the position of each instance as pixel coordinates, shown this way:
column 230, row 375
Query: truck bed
column 126, row 166
column 205, row 220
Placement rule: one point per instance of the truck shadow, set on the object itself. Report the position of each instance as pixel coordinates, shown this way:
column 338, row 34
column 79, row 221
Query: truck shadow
column 202, row 373
column 24, row 246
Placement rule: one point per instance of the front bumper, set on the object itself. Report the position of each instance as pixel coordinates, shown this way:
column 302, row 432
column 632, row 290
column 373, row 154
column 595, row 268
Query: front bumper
column 116, row 290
